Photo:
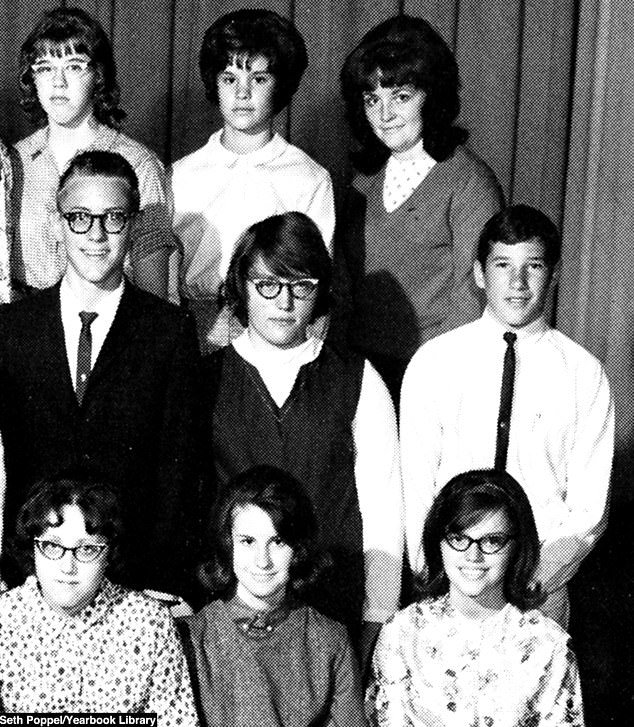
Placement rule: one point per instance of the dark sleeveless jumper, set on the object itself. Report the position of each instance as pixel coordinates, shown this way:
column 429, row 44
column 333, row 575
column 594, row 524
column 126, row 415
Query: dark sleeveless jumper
column 310, row 436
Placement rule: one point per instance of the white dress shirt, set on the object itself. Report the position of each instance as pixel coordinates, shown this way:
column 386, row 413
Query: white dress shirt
column 218, row 194
column 561, row 436
column 376, row 467
column 71, row 307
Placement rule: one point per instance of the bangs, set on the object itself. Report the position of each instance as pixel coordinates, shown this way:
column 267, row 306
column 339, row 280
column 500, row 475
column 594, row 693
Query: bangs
column 475, row 507
column 61, row 47
column 388, row 66
column 243, row 58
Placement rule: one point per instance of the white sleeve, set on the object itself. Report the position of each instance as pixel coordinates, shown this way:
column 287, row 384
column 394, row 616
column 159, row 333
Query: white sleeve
column 321, row 209
column 378, row 480
column 587, row 484
column 421, row 442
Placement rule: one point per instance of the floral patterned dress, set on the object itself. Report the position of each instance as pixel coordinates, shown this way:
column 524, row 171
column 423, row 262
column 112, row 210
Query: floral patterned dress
column 434, row 667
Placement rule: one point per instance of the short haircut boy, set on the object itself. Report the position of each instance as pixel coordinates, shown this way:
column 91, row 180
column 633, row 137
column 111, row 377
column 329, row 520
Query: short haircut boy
column 520, row 223
column 243, row 34
column 62, row 31
column 291, row 245
column 95, row 163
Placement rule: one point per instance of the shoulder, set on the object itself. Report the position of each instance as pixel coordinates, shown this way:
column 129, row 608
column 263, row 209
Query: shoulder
column 325, row 633
column 30, row 308
column 465, row 171
column 134, row 151
column 31, row 144
column 197, row 160
column 574, row 353
column 14, row 604
column 209, row 619
column 534, row 629
column 152, row 306
column 361, row 183
column 303, row 163
column 440, row 351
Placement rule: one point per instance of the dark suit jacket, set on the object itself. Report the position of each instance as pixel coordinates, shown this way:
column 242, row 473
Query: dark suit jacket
column 135, row 427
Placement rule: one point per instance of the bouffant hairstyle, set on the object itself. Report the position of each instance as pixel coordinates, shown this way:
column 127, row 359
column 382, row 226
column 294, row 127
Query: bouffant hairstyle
column 291, row 245
column 95, row 163
column 464, row 501
column 283, row 498
column 520, row 223
column 240, row 36
column 71, row 30
column 98, row 503
column 403, row 51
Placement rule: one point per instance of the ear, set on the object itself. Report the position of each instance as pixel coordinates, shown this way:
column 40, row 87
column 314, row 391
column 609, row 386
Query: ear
column 57, row 223
column 555, row 274
column 135, row 225
column 478, row 274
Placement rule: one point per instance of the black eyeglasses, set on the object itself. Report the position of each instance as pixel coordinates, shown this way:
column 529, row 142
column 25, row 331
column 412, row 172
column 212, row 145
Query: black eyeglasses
column 86, row 553
column 112, row 221
column 270, row 288
column 487, row 544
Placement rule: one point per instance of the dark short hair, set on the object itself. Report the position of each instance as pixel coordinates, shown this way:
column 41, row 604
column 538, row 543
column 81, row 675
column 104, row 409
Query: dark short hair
column 284, row 500
column 400, row 51
column 520, row 223
column 461, row 503
column 97, row 162
column 57, row 32
column 97, row 501
column 291, row 245
column 243, row 34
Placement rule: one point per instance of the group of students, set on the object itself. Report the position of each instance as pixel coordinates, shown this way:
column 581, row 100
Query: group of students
column 289, row 424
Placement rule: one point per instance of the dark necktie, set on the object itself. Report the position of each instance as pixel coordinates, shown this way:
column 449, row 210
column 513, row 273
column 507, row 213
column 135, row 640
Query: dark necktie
column 84, row 354
column 506, row 403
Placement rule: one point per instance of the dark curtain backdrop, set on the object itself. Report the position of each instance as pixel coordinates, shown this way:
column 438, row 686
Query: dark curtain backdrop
column 548, row 96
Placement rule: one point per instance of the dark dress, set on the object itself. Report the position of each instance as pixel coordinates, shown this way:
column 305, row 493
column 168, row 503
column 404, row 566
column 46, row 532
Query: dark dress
column 292, row 668
column 310, row 436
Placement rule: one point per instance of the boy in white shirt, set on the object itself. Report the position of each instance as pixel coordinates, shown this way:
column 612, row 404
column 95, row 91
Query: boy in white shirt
column 560, row 427
column 251, row 62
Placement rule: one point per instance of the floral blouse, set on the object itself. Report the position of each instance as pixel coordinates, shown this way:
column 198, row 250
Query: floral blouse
column 120, row 654
column 434, row 666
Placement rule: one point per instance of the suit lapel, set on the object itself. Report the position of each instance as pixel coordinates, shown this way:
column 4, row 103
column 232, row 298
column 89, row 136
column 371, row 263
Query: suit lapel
column 119, row 336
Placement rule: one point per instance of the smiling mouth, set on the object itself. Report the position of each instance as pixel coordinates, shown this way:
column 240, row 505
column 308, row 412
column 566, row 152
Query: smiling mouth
column 473, row 574
column 101, row 253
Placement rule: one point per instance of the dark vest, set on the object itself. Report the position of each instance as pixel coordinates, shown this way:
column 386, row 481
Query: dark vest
column 310, row 436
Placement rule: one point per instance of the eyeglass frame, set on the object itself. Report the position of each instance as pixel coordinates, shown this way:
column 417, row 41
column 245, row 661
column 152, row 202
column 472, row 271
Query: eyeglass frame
column 40, row 542
column 478, row 542
column 288, row 284
column 127, row 216
column 40, row 69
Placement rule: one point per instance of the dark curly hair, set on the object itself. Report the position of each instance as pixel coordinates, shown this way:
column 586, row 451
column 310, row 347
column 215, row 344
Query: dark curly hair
column 243, row 34
column 403, row 51
column 463, row 502
column 98, row 503
column 283, row 498
column 520, row 223
column 57, row 33
column 291, row 245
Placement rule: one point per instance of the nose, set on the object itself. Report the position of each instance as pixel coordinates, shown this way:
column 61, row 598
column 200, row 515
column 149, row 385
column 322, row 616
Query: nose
column 243, row 90
column 519, row 278
column 97, row 231
column 263, row 558
column 59, row 78
column 387, row 112
column 68, row 563
column 285, row 300
column 473, row 553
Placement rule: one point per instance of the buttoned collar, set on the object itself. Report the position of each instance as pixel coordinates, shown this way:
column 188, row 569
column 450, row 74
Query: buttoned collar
column 51, row 624
column 265, row 155
column 257, row 624
column 105, row 308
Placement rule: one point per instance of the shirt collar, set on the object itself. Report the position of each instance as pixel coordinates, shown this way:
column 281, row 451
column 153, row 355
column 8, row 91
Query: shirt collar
column 265, row 155
column 52, row 624
column 421, row 163
column 105, row 137
column 256, row 624
column 532, row 332
column 278, row 357
column 106, row 307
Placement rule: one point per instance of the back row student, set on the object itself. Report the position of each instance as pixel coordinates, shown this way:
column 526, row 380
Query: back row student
column 68, row 83
column 251, row 62
column 510, row 391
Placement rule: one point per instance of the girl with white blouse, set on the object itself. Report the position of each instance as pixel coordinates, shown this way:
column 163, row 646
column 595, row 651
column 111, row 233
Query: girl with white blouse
column 474, row 650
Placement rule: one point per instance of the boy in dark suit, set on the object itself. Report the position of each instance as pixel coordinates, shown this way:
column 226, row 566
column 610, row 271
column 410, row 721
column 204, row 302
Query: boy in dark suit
column 99, row 374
